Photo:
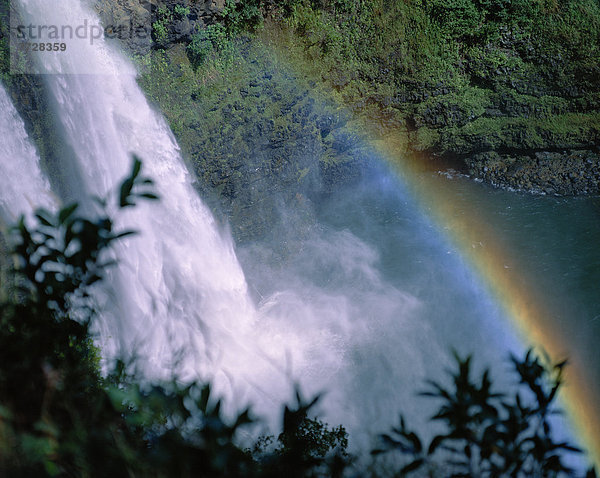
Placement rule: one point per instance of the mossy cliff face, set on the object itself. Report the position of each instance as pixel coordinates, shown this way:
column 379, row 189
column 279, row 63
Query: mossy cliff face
column 508, row 88
column 495, row 84
column 262, row 141
column 163, row 22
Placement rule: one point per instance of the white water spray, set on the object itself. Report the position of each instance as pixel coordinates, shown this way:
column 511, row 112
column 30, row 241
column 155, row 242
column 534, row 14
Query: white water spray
column 180, row 272
column 23, row 187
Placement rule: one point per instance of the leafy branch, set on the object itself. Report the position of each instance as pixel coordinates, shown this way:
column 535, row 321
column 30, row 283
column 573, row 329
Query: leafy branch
column 490, row 434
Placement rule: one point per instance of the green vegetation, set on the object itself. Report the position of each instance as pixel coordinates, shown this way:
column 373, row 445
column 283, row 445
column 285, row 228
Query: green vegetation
column 489, row 434
column 456, row 78
column 181, row 11
column 4, row 43
column 238, row 17
column 161, row 25
column 213, row 41
column 60, row 417
column 456, row 60
column 252, row 130
column 566, row 131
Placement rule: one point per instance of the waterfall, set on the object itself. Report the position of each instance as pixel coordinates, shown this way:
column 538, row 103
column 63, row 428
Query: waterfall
column 23, row 186
column 181, row 272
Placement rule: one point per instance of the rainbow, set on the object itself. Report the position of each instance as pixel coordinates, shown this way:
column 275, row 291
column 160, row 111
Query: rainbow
column 504, row 282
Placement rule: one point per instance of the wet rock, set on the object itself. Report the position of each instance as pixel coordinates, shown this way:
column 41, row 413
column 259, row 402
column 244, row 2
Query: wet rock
column 129, row 22
column 134, row 21
column 544, row 172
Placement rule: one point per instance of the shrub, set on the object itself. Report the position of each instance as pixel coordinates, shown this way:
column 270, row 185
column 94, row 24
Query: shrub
column 490, row 434
column 211, row 41
column 50, row 388
column 181, row 11
column 160, row 28
column 460, row 18
column 243, row 15
column 59, row 417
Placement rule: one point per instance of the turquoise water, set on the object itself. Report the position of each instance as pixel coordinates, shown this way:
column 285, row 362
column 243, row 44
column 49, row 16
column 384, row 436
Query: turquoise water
column 556, row 241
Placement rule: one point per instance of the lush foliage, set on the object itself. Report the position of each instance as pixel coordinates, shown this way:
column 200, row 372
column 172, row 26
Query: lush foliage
column 490, row 434
column 475, row 80
column 161, row 25
column 212, row 40
column 455, row 76
column 241, row 16
column 255, row 133
column 414, row 64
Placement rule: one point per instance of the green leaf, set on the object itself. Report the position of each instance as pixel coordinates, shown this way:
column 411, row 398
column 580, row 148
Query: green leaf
column 123, row 234
column 151, row 196
column 5, row 413
column 415, row 440
column 43, row 219
column 137, row 167
column 435, row 443
column 46, row 428
column 125, row 192
column 415, row 465
column 66, row 212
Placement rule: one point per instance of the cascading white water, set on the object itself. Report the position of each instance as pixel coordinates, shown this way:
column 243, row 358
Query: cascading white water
column 23, row 187
column 180, row 272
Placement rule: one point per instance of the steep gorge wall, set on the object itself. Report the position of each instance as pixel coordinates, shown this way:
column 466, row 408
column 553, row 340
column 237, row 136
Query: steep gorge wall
column 513, row 92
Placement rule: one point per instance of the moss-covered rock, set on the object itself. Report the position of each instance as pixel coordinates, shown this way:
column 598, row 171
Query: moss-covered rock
column 259, row 137
column 558, row 173
column 161, row 23
column 459, row 79
column 467, row 76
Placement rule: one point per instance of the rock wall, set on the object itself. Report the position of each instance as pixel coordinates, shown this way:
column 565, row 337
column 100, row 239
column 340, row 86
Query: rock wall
column 492, row 84
column 264, row 144
column 179, row 18
column 564, row 173
column 521, row 118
